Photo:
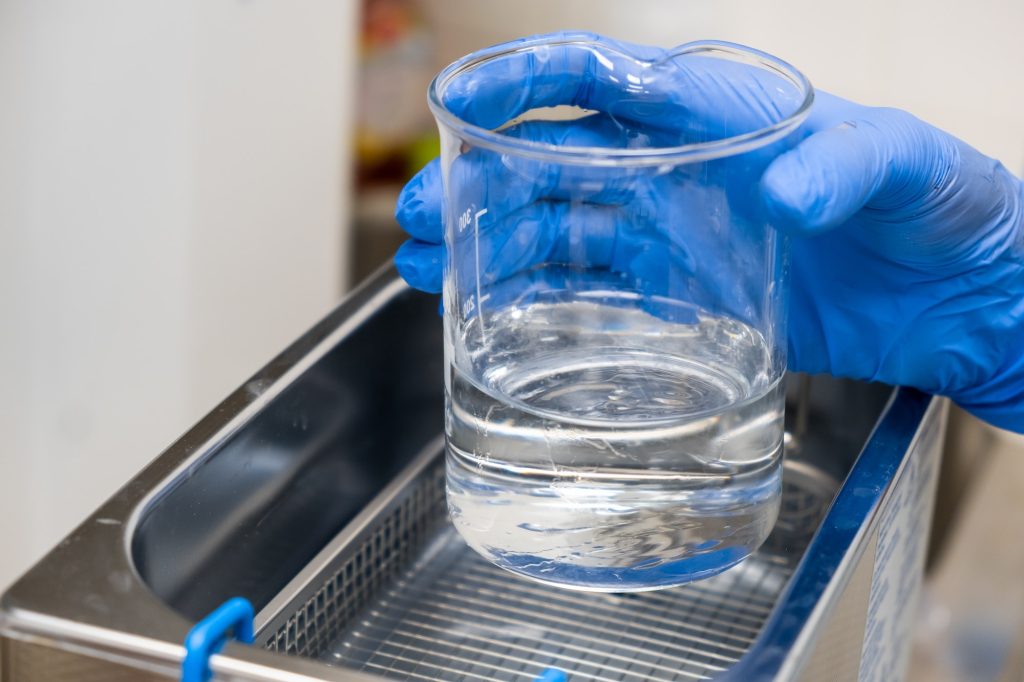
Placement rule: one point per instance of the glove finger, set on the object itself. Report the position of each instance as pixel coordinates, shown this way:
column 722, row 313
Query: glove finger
column 660, row 275
column 699, row 96
column 487, row 182
column 585, row 237
column 497, row 266
column 580, row 246
column 489, row 190
column 653, row 244
column 540, row 233
column 581, row 182
column 704, row 98
column 583, row 245
column 421, row 265
column 883, row 159
column 824, row 181
column 418, row 210
column 485, row 179
column 569, row 72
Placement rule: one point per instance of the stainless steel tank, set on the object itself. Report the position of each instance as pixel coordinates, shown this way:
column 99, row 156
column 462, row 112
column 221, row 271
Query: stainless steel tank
column 316, row 491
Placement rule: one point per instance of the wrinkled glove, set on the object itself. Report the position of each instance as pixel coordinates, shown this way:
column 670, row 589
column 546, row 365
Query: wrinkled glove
column 907, row 261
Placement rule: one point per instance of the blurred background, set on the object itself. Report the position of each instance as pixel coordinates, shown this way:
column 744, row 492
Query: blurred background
column 186, row 186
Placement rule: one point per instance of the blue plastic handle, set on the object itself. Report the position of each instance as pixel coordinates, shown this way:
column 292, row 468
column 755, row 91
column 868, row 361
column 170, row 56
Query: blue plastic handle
column 552, row 675
column 211, row 633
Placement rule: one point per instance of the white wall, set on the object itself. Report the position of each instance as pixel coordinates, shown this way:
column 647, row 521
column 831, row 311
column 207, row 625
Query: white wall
column 172, row 213
column 956, row 64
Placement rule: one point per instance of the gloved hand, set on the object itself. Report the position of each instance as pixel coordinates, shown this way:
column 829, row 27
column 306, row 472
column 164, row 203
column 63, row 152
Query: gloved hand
column 908, row 250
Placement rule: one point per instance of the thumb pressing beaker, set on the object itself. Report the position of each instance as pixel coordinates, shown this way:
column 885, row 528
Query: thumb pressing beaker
column 613, row 306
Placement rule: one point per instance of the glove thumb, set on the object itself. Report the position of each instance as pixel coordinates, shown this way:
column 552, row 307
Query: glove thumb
column 825, row 180
column 887, row 159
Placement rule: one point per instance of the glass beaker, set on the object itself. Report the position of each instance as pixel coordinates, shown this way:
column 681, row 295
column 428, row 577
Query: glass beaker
column 614, row 306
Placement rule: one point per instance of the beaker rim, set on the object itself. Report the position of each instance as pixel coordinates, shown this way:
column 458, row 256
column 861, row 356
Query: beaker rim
column 731, row 145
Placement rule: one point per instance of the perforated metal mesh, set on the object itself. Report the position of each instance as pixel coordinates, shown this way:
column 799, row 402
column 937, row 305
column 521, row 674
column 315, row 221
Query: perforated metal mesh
column 390, row 547
column 413, row 602
column 454, row 616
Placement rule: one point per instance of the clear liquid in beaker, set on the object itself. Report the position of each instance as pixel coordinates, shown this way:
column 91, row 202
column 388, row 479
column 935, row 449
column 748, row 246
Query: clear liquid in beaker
column 606, row 449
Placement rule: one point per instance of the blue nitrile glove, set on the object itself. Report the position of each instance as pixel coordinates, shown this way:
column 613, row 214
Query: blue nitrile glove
column 614, row 221
column 908, row 256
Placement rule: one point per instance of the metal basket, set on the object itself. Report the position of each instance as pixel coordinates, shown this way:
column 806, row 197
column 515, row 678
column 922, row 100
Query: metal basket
column 316, row 492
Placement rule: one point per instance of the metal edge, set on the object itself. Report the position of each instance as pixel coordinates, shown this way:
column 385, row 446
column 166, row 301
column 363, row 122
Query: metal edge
column 54, row 603
column 825, row 567
column 139, row 652
column 163, row 658
column 844, row 572
column 305, row 583
column 258, row 402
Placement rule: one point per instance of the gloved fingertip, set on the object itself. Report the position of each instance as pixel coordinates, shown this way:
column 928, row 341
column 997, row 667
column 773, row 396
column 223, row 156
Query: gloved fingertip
column 795, row 197
column 418, row 209
column 421, row 265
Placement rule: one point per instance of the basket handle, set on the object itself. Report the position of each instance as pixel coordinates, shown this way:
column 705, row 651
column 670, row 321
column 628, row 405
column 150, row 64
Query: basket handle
column 211, row 633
